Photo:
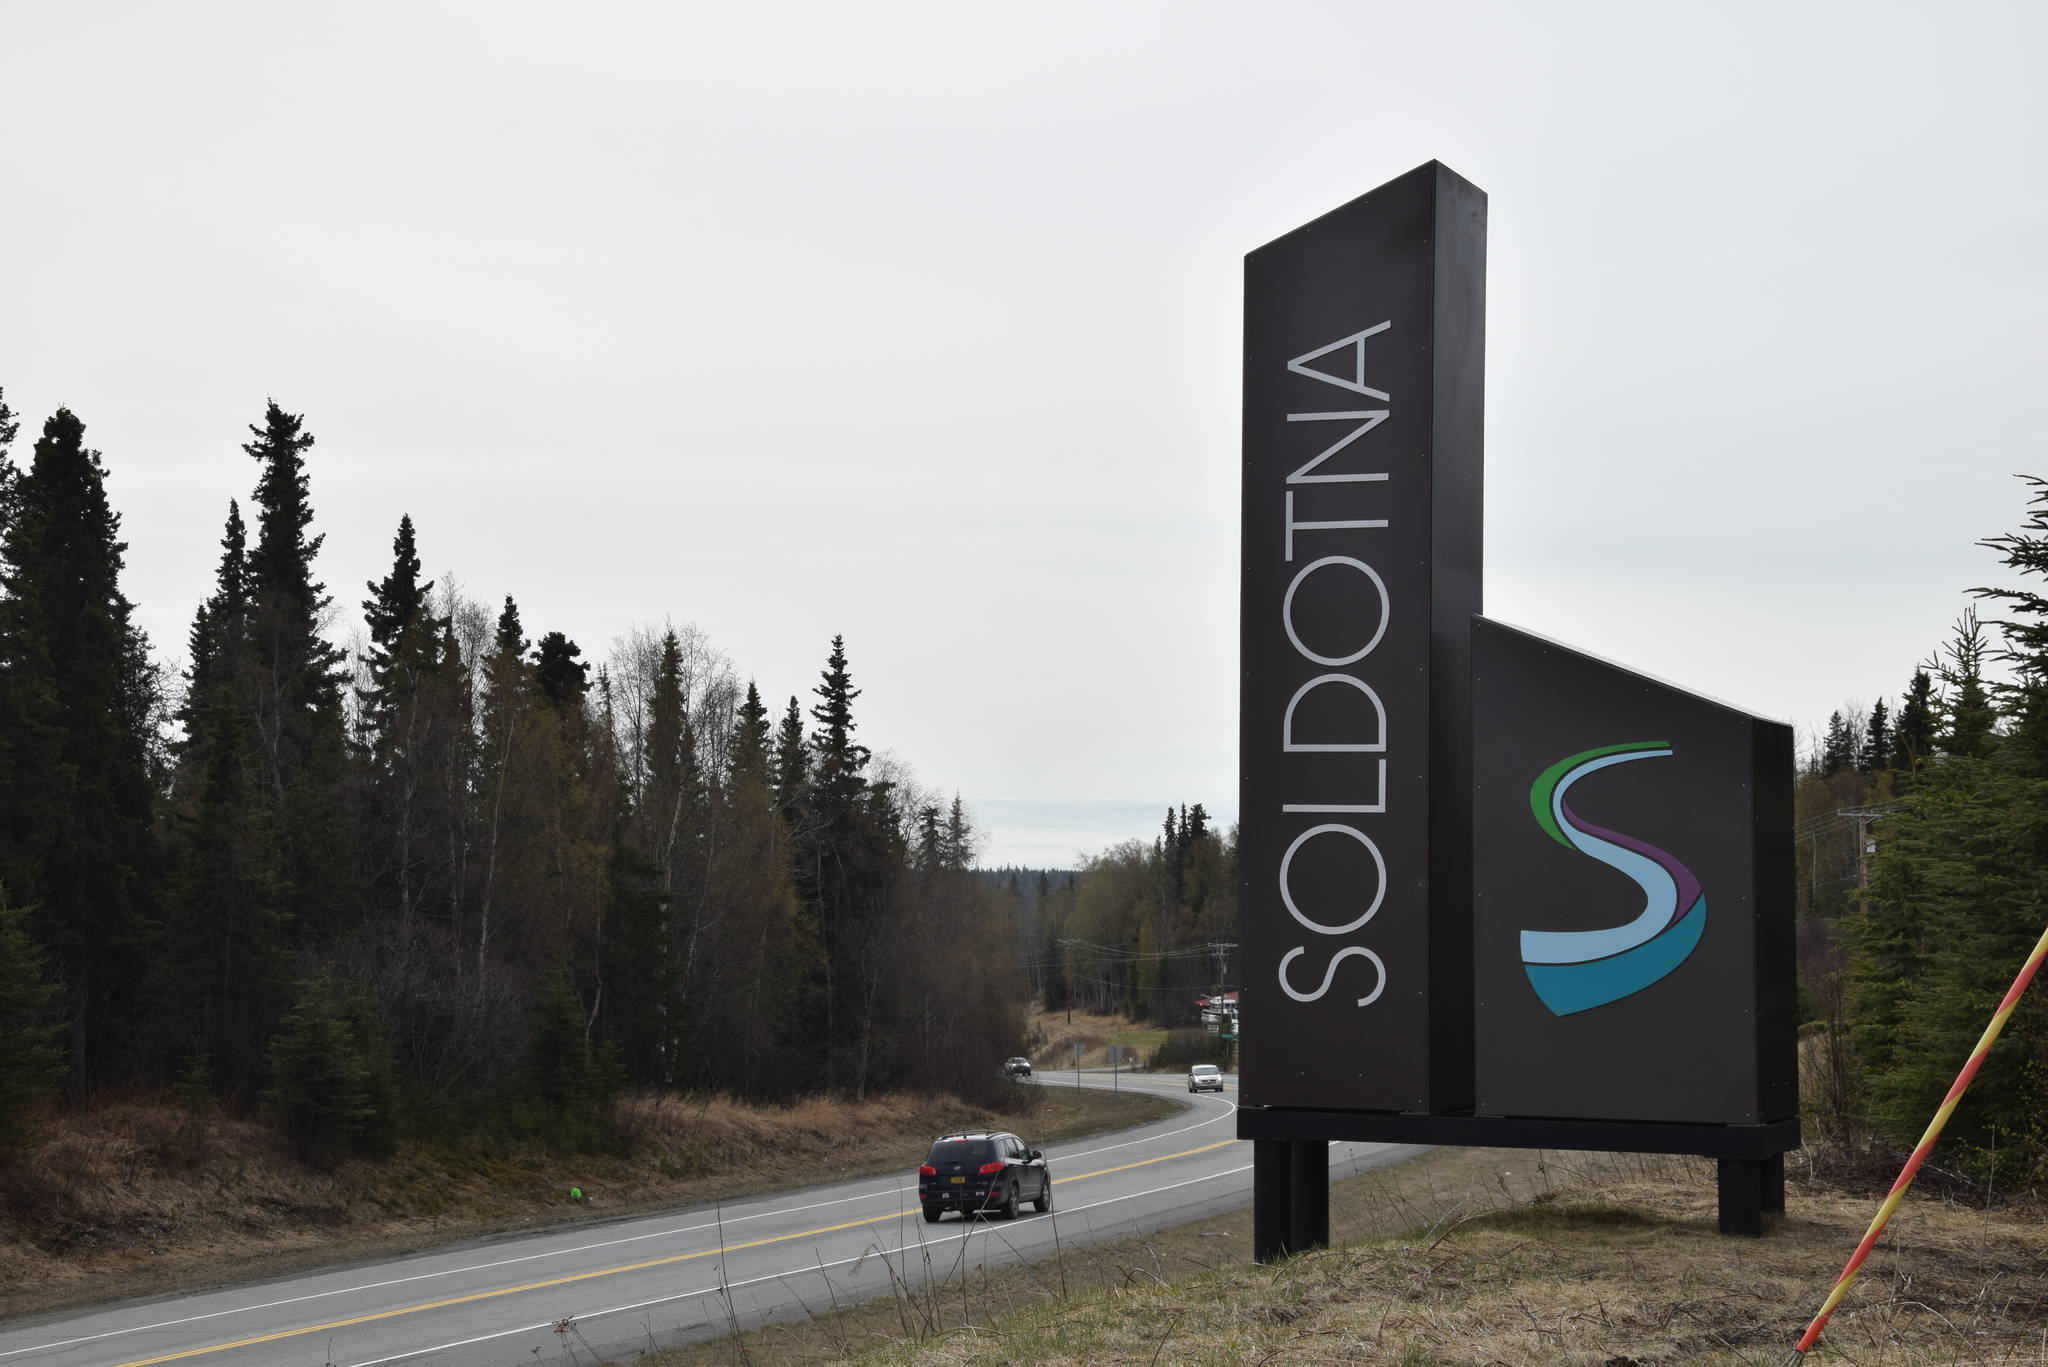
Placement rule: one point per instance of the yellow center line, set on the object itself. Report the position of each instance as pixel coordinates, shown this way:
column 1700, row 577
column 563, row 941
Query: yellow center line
column 609, row 1271
column 1142, row 1162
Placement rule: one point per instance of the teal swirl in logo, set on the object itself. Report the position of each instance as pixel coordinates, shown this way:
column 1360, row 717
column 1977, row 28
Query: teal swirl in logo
column 1577, row 970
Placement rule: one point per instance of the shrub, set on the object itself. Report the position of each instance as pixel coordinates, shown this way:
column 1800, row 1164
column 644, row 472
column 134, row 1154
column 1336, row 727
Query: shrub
column 333, row 1083
column 1186, row 1048
column 30, row 1063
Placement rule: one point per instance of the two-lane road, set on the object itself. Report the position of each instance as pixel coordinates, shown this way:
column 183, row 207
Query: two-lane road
column 617, row 1288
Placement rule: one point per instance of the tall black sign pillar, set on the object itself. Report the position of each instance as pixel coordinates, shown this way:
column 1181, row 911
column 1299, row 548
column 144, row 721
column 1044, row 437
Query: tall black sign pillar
column 1363, row 396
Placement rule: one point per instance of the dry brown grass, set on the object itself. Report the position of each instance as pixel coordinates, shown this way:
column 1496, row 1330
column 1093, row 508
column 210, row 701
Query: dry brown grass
column 135, row 1198
column 1474, row 1258
column 1068, row 1039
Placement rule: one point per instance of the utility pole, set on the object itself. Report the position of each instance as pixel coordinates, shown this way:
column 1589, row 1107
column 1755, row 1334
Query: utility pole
column 1865, row 847
column 1222, row 952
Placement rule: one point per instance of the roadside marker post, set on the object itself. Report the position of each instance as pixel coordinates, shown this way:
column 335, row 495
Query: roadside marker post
column 1920, row 1151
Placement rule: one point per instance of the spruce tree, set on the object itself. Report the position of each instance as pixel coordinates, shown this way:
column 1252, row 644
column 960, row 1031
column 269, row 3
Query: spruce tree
column 1838, row 748
column 505, row 763
column 662, row 969
column 1877, row 741
column 1919, row 720
column 792, row 763
column 506, row 639
column 216, row 648
column 1960, row 894
column 563, row 1079
column 221, row 972
column 507, row 682
column 296, row 679
column 2024, row 700
column 672, row 776
column 415, row 726
column 1958, row 899
column 76, row 828
column 959, row 837
column 751, row 739
column 1167, row 860
column 928, row 847
column 849, row 850
column 839, row 763
column 763, row 961
column 1971, row 718
column 323, row 1083
column 561, row 677
column 404, row 638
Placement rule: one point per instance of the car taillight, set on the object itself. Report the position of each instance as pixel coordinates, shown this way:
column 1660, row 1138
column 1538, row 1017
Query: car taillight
column 987, row 1168
column 927, row 1170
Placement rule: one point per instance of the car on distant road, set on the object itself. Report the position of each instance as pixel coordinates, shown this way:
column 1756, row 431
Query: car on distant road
column 982, row 1172
column 1018, row 1067
column 1205, row 1077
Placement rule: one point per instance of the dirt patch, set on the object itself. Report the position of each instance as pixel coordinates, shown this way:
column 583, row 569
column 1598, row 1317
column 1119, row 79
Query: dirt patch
column 137, row 1199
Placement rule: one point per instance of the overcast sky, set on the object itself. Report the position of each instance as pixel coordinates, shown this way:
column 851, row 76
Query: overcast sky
column 920, row 323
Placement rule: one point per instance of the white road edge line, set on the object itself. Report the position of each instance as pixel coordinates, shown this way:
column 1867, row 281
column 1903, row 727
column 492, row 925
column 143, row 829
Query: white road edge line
column 561, row 1252
column 715, row 1288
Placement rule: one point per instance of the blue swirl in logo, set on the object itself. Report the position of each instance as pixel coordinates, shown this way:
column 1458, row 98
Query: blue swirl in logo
column 1577, row 970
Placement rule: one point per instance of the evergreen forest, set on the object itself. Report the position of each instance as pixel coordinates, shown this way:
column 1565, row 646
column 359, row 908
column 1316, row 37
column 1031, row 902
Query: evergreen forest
column 1921, row 830
column 462, row 880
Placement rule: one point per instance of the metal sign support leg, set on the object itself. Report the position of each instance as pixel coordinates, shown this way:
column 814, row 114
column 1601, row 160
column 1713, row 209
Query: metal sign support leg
column 1272, row 1199
column 1308, row 1195
column 1742, row 1191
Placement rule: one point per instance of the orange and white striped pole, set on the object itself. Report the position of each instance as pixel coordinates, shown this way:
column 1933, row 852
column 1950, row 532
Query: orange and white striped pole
column 1912, row 1168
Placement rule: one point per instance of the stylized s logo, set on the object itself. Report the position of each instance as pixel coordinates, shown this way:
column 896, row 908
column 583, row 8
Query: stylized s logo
column 1576, row 970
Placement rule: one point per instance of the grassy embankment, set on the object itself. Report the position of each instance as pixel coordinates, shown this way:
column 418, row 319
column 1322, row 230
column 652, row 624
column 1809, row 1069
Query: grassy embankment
column 1071, row 1039
column 140, row 1198
column 1471, row 1258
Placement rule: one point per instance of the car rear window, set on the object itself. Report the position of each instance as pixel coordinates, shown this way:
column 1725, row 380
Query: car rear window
column 961, row 1151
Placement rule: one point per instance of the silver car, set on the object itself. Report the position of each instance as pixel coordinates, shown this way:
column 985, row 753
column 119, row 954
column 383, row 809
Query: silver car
column 1205, row 1077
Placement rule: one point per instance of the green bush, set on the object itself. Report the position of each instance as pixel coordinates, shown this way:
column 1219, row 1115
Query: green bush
column 30, row 1062
column 332, row 1080
column 570, row 1086
column 1186, row 1048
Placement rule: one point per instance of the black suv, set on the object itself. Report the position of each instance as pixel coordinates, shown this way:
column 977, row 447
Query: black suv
column 982, row 1170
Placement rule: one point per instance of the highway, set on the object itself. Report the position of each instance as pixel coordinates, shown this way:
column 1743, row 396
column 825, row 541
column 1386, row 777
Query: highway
column 611, row 1291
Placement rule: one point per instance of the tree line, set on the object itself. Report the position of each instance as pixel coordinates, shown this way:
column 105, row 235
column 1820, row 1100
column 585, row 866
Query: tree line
column 1921, row 830
column 1142, row 929
column 458, row 880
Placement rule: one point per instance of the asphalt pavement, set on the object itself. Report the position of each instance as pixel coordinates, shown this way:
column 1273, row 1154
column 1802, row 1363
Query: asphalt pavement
column 607, row 1291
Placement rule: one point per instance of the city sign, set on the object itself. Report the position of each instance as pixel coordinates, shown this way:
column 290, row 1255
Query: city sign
column 1492, row 891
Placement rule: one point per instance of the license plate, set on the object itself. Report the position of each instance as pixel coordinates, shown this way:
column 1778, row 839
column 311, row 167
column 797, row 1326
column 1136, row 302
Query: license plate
column 959, row 1181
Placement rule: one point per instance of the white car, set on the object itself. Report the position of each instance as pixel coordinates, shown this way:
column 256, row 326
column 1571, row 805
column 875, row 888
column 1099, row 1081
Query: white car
column 1205, row 1077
